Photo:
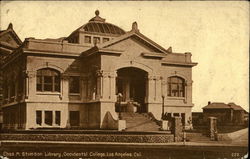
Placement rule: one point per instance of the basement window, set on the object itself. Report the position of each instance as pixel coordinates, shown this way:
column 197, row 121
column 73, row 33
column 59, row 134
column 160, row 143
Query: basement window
column 48, row 117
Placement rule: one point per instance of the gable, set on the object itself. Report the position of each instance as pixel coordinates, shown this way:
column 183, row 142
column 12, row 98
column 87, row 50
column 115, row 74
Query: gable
column 140, row 37
column 8, row 39
column 133, row 47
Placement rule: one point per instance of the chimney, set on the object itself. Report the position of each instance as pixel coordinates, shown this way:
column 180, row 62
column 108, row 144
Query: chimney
column 208, row 102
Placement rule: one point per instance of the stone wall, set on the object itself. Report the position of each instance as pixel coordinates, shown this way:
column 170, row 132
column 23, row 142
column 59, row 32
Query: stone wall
column 163, row 138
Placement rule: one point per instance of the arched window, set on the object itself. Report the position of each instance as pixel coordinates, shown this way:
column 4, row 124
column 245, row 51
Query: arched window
column 48, row 80
column 176, row 86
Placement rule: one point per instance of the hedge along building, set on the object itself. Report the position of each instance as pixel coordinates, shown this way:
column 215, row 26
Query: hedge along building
column 74, row 81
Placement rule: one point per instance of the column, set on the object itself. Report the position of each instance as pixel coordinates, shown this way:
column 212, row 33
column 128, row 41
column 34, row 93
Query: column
column 99, row 84
column 213, row 128
column 164, row 87
column 16, row 87
column 188, row 91
column 108, row 85
column 177, row 129
column 112, row 83
column 30, row 84
column 151, row 90
column 89, row 97
column 154, row 89
column 64, row 87
column 158, row 88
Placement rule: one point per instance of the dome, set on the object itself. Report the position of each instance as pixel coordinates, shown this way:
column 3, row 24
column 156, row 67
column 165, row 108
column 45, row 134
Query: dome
column 98, row 25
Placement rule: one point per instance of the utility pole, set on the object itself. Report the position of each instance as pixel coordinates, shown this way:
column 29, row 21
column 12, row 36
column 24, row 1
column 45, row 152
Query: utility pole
column 162, row 114
column 120, row 106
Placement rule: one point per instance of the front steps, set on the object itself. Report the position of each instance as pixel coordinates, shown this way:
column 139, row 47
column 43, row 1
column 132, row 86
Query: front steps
column 139, row 122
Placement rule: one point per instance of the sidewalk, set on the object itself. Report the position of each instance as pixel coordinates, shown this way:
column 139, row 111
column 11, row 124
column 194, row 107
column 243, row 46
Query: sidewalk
column 211, row 144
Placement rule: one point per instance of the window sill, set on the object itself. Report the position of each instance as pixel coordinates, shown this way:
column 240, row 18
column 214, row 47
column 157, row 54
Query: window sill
column 47, row 126
column 74, row 94
column 178, row 98
column 48, row 93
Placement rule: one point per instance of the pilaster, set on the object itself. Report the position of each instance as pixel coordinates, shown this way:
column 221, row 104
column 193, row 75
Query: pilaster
column 154, row 91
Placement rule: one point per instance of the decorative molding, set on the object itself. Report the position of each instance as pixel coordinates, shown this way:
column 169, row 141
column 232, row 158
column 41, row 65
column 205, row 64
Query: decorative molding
column 153, row 55
column 30, row 74
column 99, row 73
column 65, row 76
column 155, row 77
column 164, row 82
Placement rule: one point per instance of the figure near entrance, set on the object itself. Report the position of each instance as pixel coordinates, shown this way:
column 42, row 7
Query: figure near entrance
column 131, row 84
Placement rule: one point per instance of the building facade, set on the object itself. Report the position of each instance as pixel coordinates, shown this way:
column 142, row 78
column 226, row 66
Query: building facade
column 9, row 41
column 73, row 82
column 226, row 114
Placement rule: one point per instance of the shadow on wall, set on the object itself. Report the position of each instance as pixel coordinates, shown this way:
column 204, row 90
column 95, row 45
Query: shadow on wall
column 109, row 122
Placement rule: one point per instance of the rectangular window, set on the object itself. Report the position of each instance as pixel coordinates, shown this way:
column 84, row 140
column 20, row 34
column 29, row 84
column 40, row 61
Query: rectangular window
column 39, row 117
column 87, row 39
column 105, row 39
column 96, row 40
column 58, row 117
column 74, row 84
column 176, row 87
column 48, row 117
column 74, row 118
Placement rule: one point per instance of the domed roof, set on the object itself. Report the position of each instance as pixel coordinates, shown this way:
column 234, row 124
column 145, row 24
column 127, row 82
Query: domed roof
column 98, row 25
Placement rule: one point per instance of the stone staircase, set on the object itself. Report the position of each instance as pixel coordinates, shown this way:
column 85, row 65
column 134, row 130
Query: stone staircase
column 139, row 122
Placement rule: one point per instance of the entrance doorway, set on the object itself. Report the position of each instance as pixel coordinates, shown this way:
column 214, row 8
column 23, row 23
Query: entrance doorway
column 131, row 83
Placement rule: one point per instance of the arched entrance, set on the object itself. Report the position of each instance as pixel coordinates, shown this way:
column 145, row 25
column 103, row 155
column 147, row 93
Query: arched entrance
column 131, row 83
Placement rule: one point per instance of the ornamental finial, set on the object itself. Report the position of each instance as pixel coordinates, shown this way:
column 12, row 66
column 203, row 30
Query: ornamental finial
column 97, row 12
column 10, row 26
column 135, row 26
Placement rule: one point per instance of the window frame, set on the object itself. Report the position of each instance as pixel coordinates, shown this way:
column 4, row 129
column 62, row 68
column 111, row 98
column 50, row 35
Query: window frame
column 180, row 87
column 89, row 40
column 104, row 39
column 55, row 83
column 96, row 40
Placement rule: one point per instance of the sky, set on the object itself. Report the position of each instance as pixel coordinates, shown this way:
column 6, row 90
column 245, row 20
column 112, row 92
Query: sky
column 215, row 32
